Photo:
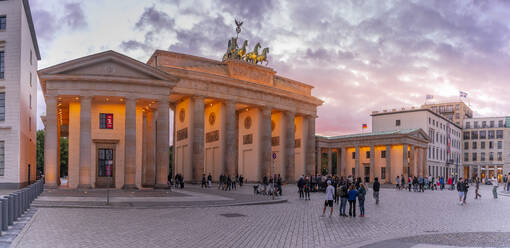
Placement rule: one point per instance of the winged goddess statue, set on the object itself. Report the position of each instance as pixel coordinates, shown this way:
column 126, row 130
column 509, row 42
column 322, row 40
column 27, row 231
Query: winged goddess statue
column 238, row 26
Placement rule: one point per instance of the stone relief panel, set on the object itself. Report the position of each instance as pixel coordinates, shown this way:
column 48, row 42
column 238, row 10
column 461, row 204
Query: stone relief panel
column 182, row 134
column 275, row 141
column 248, row 139
column 212, row 136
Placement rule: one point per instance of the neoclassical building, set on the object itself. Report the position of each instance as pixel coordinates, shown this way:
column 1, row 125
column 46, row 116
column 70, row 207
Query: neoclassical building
column 384, row 154
column 230, row 118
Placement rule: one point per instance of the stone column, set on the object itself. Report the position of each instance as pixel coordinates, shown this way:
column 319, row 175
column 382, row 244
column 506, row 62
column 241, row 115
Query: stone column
column 419, row 161
column 230, row 138
column 150, row 141
column 318, row 168
column 405, row 163
column 85, row 142
column 310, row 146
column 197, row 156
column 470, row 169
column 412, row 162
column 486, row 172
column 289, row 147
column 372, row 163
column 130, row 144
column 338, row 163
column 343, row 157
column 356, row 163
column 389, row 178
column 265, row 142
column 162, row 144
column 50, row 143
column 330, row 164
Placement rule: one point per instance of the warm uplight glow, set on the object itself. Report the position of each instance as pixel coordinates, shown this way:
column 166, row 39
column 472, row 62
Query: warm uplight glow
column 76, row 98
column 107, row 99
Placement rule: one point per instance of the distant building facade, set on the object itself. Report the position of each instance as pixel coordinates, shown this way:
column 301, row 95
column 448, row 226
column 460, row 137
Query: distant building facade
column 444, row 149
column 19, row 54
column 453, row 111
column 486, row 147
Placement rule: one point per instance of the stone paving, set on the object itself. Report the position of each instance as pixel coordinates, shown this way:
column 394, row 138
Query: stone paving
column 401, row 218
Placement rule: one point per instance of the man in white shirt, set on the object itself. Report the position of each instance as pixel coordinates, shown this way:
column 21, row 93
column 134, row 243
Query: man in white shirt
column 330, row 191
column 495, row 187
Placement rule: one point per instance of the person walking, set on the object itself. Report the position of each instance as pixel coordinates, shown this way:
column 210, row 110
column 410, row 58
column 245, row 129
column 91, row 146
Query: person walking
column 301, row 185
column 460, row 190
column 494, row 187
column 397, row 183
column 477, row 187
column 330, row 191
column 376, row 186
column 209, row 180
column 204, row 183
column 353, row 194
column 307, row 187
column 466, row 187
column 344, row 196
column 362, row 191
column 508, row 183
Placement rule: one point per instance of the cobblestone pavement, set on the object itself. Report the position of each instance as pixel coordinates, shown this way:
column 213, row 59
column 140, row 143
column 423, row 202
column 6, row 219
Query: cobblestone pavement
column 296, row 223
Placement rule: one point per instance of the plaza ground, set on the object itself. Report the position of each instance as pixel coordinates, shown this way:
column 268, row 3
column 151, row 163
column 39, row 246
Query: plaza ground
column 403, row 219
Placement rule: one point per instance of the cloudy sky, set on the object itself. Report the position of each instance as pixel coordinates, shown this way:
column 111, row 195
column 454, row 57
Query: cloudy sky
column 360, row 55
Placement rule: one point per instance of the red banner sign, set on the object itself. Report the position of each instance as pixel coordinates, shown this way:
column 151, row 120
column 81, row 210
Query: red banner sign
column 109, row 121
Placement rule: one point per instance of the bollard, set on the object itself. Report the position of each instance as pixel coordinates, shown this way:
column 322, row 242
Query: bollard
column 16, row 206
column 10, row 217
column 5, row 213
column 22, row 196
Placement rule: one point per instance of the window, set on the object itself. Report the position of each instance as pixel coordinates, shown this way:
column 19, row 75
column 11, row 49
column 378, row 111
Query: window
column 499, row 134
column 466, row 156
column 383, row 154
column 482, row 156
column 491, row 145
column 466, row 145
column 29, row 123
column 482, row 145
column 491, row 156
column 105, row 121
column 491, row 134
column 2, row 157
column 474, row 145
column 2, row 64
column 483, row 134
column 2, row 106
column 491, row 124
column 383, row 172
column 468, row 124
column 367, row 154
column 429, row 120
column 30, row 79
column 500, row 123
column 353, row 155
column 474, row 156
column 397, row 123
column 466, row 135
column 476, row 124
column 474, row 134
column 457, row 116
column 500, row 144
column 457, row 106
column 3, row 23
column 500, row 156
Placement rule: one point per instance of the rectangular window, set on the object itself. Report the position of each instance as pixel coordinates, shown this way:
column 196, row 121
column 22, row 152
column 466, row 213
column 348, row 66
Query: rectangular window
column 30, row 103
column 29, row 123
column 474, row 156
column 2, row 106
column 474, row 145
column 474, row 134
column 397, row 123
column 483, row 134
column 491, row 145
column 491, row 156
column 491, row 124
column 466, row 145
column 30, row 57
column 491, row 134
column 2, row 157
column 2, row 64
column 484, row 124
column 457, row 116
column 500, row 144
column 499, row 134
column 466, row 135
column 383, row 154
column 30, row 79
column 383, row 172
column 353, row 155
column 466, row 156
column 500, row 123
column 367, row 154
column 476, row 124
column 482, row 145
column 3, row 23
column 468, row 124
column 500, row 156
column 482, row 156
column 105, row 121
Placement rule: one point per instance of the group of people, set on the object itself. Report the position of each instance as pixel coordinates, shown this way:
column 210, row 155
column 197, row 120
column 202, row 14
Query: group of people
column 227, row 182
column 269, row 186
column 348, row 191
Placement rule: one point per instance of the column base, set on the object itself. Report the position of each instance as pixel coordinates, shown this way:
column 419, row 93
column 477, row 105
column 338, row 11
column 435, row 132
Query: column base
column 50, row 185
column 161, row 186
column 148, row 185
column 129, row 186
column 84, row 186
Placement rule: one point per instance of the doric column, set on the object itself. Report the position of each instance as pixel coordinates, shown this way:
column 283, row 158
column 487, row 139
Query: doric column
column 389, row 178
column 405, row 163
column 230, row 138
column 372, row 163
column 412, row 162
column 310, row 146
column 419, row 161
column 265, row 141
column 150, row 141
column 343, row 157
column 197, row 156
column 318, row 157
column 85, row 142
column 339, row 172
column 425, row 171
column 330, row 164
column 356, row 163
column 130, row 144
column 50, row 143
column 289, row 147
column 162, row 144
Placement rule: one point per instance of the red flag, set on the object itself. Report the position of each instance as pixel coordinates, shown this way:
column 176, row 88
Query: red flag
column 364, row 126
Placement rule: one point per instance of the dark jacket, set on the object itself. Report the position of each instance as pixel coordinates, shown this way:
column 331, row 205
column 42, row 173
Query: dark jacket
column 376, row 186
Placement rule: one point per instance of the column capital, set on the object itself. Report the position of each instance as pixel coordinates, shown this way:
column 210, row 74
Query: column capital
column 197, row 97
column 85, row 97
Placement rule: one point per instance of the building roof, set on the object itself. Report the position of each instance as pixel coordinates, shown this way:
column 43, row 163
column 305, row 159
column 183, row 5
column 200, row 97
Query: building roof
column 403, row 131
column 415, row 110
column 28, row 13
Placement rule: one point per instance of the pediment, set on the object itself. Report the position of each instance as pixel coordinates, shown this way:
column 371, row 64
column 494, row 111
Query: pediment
column 420, row 134
column 109, row 68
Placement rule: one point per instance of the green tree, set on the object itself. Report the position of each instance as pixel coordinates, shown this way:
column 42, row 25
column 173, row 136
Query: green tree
column 171, row 159
column 64, row 145
column 40, row 151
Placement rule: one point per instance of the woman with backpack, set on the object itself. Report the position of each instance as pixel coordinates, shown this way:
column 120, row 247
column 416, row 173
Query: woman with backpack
column 344, row 196
column 362, row 191
column 352, row 194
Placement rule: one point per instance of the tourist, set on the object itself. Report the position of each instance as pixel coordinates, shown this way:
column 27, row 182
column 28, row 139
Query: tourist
column 300, row 185
column 353, row 194
column 209, row 180
column 441, row 183
column 376, row 186
column 204, row 182
column 362, row 191
column 466, row 187
column 495, row 187
column 228, row 184
column 329, row 199
column 307, row 187
column 344, row 196
column 279, row 185
column 508, row 183
column 397, row 181
column 421, row 184
column 234, row 183
column 415, row 184
column 477, row 187
column 241, row 180
column 460, row 189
